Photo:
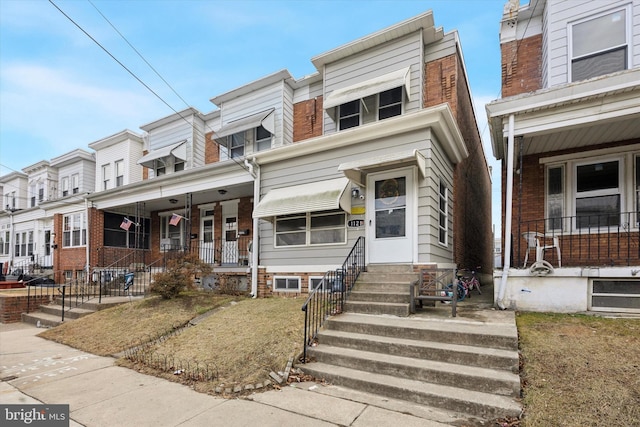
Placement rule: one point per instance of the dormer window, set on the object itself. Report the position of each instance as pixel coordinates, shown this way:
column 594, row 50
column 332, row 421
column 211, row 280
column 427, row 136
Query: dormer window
column 167, row 159
column 247, row 134
column 599, row 45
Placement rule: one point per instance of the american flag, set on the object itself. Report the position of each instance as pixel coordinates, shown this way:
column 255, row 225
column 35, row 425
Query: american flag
column 175, row 219
column 125, row 224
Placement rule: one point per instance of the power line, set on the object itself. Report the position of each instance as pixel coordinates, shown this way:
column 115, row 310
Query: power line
column 137, row 78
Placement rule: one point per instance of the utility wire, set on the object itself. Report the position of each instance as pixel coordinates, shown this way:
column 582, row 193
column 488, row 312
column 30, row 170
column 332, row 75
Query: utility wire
column 135, row 76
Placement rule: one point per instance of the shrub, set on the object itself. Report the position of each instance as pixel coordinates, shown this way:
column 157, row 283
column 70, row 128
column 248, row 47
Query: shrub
column 180, row 275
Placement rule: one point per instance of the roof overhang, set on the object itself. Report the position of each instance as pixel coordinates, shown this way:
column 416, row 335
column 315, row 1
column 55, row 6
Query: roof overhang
column 265, row 119
column 438, row 118
column 369, row 87
column 603, row 109
column 178, row 150
column 357, row 170
column 325, row 195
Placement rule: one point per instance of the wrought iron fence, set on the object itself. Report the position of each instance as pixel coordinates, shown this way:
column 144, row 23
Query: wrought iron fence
column 585, row 240
column 215, row 252
column 328, row 297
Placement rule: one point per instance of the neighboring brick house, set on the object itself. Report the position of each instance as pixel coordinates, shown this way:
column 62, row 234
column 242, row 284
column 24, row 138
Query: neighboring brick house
column 567, row 130
column 277, row 184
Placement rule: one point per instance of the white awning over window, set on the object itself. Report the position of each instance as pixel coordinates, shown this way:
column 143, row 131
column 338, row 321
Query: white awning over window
column 313, row 197
column 369, row 87
column 178, row 151
column 265, row 119
column 357, row 170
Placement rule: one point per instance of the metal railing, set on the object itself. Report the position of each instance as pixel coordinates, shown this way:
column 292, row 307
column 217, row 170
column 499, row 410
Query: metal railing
column 586, row 240
column 328, row 297
column 217, row 252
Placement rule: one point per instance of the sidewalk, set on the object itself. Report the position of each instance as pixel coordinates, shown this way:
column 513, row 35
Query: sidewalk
column 35, row 370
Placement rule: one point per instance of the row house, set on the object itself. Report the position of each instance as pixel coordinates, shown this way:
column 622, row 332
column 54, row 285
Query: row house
column 567, row 130
column 275, row 185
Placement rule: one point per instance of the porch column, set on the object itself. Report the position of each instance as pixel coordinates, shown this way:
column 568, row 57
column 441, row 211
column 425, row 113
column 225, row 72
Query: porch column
column 508, row 212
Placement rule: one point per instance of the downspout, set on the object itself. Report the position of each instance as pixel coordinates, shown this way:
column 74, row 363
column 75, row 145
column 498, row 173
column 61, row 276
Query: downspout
column 508, row 213
column 255, row 173
column 88, row 244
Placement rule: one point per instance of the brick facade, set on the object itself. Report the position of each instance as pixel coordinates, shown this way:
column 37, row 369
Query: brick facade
column 445, row 83
column 307, row 119
column 211, row 149
column 521, row 66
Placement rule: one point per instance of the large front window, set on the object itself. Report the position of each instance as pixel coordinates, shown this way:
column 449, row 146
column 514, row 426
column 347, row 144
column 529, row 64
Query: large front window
column 598, row 194
column 171, row 232
column 137, row 236
column 74, row 230
column 315, row 228
column 599, row 46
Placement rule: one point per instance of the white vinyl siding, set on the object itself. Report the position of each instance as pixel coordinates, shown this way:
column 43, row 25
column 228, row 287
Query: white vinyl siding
column 558, row 18
column 378, row 61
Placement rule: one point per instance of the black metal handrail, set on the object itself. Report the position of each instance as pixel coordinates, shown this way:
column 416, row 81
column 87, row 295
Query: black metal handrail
column 330, row 294
column 593, row 240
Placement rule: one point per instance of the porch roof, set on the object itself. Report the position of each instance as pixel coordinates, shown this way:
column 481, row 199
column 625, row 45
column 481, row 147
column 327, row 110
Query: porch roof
column 311, row 197
column 579, row 114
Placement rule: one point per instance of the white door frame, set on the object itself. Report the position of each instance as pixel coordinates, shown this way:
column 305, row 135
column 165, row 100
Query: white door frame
column 399, row 249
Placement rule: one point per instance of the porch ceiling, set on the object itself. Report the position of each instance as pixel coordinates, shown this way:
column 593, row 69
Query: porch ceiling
column 581, row 114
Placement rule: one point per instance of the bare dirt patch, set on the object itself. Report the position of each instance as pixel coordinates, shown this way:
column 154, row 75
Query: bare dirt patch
column 580, row 370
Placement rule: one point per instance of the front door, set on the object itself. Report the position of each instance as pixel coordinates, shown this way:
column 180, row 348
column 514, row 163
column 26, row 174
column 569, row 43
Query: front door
column 207, row 245
column 390, row 204
column 230, row 232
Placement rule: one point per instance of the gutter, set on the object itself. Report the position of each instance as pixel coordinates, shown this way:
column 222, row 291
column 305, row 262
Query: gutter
column 508, row 213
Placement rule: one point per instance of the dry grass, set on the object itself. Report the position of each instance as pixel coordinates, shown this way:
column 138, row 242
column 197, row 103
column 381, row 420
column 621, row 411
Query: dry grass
column 110, row 331
column 580, row 370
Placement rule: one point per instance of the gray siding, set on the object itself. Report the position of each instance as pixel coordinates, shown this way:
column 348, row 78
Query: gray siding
column 563, row 12
column 171, row 133
column 259, row 100
column 375, row 62
column 287, row 115
column 322, row 166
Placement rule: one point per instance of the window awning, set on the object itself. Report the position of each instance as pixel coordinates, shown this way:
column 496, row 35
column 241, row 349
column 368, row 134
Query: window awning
column 357, row 170
column 178, row 150
column 264, row 118
column 369, row 87
column 313, row 197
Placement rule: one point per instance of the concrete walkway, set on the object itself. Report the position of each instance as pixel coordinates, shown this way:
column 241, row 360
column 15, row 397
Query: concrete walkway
column 35, row 370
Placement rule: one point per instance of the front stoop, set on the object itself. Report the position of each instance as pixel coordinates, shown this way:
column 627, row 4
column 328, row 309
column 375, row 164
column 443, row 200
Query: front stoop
column 50, row 315
column 382, row 289
column 468, row 368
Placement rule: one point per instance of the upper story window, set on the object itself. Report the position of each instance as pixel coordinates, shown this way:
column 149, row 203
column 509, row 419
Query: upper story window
column 371, row 108
column 32, row 191
column 40, row 192
column 65, row 186
column 263, row 139
column 178, row 165
column 106, row 176
column 75, row 183
column 599, row 45
column 119, row 173
column 236, row 145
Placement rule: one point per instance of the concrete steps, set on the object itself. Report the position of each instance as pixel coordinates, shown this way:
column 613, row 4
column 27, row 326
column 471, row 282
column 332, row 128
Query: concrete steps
column 448, row 364
column 382, row 289
column 50, row 315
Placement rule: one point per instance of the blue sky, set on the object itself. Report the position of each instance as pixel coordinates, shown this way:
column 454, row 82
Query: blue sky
column 60, row 91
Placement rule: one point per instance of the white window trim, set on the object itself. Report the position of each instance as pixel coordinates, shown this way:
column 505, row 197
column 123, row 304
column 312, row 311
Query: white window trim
column 299, row 280
column 595, row 193
column 308, row 230
column 376, row 113
column 441, row 183
column 119, row 164
column 82, row 230
column 628, row 37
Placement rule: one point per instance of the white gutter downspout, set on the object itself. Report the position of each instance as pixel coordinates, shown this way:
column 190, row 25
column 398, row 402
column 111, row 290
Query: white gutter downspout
column 508, row 212
column 86, row 210
column 255, row 173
